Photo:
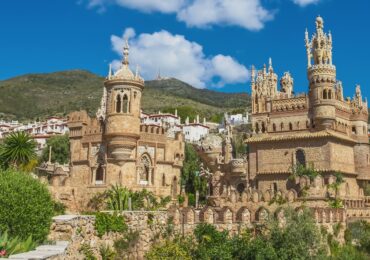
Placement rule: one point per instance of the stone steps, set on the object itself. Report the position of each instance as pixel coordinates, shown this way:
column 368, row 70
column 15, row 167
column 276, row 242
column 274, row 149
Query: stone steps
column 43, row 252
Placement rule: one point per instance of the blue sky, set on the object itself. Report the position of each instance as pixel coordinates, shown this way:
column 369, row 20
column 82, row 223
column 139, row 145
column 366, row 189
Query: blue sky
column 208, row 43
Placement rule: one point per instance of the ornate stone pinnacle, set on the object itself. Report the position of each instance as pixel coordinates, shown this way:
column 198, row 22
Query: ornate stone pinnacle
column 126, row 48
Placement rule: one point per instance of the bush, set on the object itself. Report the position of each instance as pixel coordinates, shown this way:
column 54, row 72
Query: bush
column 359, row 232
column 105, row 223
column 59, row 208
column 26, row 206
column 168, row 250
column 60, row 151
column 10, row 246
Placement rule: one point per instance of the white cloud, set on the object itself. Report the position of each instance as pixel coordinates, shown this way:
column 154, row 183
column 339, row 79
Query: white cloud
column 178, row 57
column 163, row 6
column 304, row 3
column 249, row 14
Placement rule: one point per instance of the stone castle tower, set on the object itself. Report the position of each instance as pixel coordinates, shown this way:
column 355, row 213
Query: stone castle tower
column 114, row 148
column 322, row 77
column 121, row 102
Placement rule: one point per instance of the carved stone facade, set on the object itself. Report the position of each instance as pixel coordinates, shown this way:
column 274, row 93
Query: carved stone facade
column 319, row 129
column 115, row 148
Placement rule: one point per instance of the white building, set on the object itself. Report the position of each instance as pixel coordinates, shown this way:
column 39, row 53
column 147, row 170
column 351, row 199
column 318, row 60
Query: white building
column 40, row 131
column 160, row 119
column 194, row 132
column 238, row 119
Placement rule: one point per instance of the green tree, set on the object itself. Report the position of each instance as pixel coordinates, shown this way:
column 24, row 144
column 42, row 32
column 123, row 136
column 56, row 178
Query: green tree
column 26, row 206
column 59, row 149
column 169, row 249
column 359, row 232
column 17, row 150
column 190, row 173
column 212, row 244
column 299, row 227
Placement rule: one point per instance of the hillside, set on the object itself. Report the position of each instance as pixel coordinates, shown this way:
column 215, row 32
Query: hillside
column 40, row 95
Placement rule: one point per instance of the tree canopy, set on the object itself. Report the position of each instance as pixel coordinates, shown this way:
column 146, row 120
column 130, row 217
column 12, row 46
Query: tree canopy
column 59, row 149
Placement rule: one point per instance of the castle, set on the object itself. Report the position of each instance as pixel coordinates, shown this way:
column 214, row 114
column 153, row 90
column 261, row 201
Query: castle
column 115, row 148
column 320, row 130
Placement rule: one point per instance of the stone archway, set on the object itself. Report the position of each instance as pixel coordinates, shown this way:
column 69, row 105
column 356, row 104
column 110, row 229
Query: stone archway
column 145, row 170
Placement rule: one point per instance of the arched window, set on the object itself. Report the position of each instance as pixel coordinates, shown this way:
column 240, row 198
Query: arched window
column 274, row 127
column 275, row 187
column 99, row 175
column 300, row 157
column 118, row 103
column 290, row 126
column 282, row 126
column 329, row 95
column 240, row 188
column 145, row 169
column 163, row 180
column 325, row 94
column 174, row 187
column 263, row 127
column 257, row 128
column 125, row 104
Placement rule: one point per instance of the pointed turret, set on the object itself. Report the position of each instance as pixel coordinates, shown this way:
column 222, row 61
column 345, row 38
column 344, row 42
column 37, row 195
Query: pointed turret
column 322, row 76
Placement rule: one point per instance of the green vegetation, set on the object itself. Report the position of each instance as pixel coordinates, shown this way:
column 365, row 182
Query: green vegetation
column 59, row 149
column 17, row 150
column 125, row 245
column 105, row 223
column 300, row 170
column 190, row 175
column 169, row 249
column 26, row 206
column 10, row 246
column 239, row 148
column 117, row 198
column 62, row 92
column 106, row 252
column 360, row 233
column 298, row 238
column 87, row 251
column 59, row 208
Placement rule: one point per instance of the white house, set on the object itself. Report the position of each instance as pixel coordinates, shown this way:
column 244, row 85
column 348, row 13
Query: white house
column 193, row 132
column 40, row 131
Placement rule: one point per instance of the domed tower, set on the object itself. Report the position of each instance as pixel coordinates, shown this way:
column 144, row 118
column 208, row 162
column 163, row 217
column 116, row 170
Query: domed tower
column 121, row 102
column 322, row 77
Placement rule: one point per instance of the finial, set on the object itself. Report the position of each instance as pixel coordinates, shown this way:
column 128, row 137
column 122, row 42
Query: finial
column 126, row 48
column 319, row 22
column 270, row 64
column 253, row 74
column 110, row 71
column 137, row 71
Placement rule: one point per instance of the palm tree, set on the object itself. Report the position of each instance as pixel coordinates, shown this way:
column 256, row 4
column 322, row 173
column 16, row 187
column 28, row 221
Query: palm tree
column 17, row 150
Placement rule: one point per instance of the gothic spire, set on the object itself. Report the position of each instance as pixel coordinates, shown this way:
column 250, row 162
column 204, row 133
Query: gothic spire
column 126, row 48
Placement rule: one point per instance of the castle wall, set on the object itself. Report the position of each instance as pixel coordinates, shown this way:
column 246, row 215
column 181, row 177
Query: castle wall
column 342, row 157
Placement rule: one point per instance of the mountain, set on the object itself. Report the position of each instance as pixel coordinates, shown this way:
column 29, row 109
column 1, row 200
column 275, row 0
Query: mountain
column 40, row 95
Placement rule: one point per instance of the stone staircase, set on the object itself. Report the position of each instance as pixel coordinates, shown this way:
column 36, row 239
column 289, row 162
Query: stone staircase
column 43, row 252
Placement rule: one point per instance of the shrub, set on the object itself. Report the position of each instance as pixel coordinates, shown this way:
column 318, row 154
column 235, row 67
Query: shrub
column 360, row 233
column 127, row 243
column 106, row 252
column 59, row 208
column 109, row 223
column 168, row 250
column 87, row 251
column 26, row 206
column 60, row 151
column 10, row 246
